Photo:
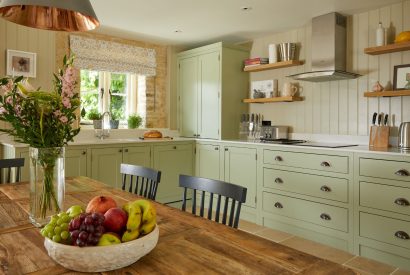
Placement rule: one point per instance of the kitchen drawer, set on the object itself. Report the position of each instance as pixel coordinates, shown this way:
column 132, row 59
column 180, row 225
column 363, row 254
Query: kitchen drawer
column 385, row 197
column 386, row 169
column 338, row 164
column 383, row 229
column 306, row 184
column 321, row 214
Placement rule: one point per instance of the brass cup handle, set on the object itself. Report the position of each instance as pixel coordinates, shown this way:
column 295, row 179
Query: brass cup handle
column 216, row 148
column 278, row 205
column 402, row 235
column 126, row 150
column 402, row 173
column 325, row 217
column 278, row 158
column 120, row 151
column 278, row 180
column 325, row 164
column 325, row 188
column 402, row 202
column 84, row 152
column 174, row 147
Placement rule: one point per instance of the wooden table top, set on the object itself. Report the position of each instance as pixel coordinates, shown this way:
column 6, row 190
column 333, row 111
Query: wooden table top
column 187, row 244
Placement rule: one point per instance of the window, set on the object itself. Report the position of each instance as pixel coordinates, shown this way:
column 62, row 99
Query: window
column 116, row 93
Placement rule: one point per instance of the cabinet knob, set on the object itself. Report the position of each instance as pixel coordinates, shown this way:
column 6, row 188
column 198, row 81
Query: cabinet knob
column 325, row 217
column 278, row 180
column 226, row 149
column 402, row 173
column 278, row 205
column 126, row 150
column 325, row 164
column 278, row 158
column 216, row 148
column 325, row 188
column 84, row 152
column 120, row 151
column 402, row 202
column 402, row 235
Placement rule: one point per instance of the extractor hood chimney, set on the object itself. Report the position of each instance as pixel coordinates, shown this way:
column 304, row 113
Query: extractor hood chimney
column 328, row 50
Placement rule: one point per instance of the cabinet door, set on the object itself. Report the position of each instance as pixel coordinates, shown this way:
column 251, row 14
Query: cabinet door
column 208, row 101
column 105, row 165
column 188, row 93
column 208, row 161
column 172, row 161
column 240, row 169
column 75, row 162
column 138, row 155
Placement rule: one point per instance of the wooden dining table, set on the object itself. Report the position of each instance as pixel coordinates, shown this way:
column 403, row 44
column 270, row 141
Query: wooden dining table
column 187, row 244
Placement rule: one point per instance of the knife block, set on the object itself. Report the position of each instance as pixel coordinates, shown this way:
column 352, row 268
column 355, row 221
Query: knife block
column 379, row 136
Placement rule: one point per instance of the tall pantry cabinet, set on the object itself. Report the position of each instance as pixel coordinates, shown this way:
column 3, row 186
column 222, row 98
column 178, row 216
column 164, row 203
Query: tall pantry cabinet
column 211, row 86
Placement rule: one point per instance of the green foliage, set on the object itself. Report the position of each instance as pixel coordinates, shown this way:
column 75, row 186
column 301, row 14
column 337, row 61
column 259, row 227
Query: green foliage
column 93, row 114
column 38, row 118
column 134, row 121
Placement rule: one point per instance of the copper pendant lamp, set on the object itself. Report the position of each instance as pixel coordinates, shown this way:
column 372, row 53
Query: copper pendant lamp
column 57, row 15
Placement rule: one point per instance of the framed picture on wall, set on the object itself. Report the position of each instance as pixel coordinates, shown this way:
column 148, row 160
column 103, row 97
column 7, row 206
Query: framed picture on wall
column 264, row 88
column 401, row 77
column 21, row 63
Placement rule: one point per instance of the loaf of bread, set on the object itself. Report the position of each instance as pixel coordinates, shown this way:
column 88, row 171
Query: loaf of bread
column 153, row 134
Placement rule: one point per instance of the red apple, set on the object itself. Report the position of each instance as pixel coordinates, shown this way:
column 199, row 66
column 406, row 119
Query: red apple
column 115, row 220
column 100, row 204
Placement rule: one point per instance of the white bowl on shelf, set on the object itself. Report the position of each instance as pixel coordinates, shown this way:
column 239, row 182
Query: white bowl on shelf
column 101, row 258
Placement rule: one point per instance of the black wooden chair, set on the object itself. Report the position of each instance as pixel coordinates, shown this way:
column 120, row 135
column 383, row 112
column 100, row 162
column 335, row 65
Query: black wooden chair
column 145, row 183
column 220, row 188
column 7, row 165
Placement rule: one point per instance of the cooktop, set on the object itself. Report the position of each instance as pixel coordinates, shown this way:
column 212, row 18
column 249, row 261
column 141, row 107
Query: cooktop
column 300, row 142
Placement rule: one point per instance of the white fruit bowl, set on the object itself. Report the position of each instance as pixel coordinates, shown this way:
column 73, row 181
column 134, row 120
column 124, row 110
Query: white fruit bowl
column 101, row 258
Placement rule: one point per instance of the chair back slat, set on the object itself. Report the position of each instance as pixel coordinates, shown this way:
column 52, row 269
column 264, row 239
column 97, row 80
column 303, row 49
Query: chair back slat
column 238, row 211
column 149, row 180
column 218, row 208
column 184, row 200
column 8, row 164
column 225, row 210
column 194, row 202
column 232, row 213
column 211, row 200
column 201, row 213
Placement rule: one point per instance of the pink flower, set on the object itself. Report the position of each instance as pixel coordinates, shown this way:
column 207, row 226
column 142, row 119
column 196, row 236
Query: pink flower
column 57, row 113
column 66, row 102
column 3, row 110
column 9, row 100
column 5, row 89
column 63, row 119
column 18, row 109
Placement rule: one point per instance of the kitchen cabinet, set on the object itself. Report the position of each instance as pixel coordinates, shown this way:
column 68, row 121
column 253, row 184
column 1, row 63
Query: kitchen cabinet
column 211, row 85
column 382, row 208
column 172, row 160
column 105, row 162
column 75, row 162
column 208, row 161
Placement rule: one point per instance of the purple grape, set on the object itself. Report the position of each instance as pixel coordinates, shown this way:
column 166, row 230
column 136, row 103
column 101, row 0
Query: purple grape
column 83, row 236
column 100, row 229
column 82, row 227
column 74, row 234
column 80, row 243
column 74, row 224
column 90, row 228
column 82, row 216
column 98, row 235
column 95, row 215
column 88, row 220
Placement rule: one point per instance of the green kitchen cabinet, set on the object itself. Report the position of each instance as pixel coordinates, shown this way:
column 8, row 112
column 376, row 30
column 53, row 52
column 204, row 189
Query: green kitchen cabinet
column 172, row 160
column 211, row 86
column 75, row 162
column 208, row 161
column 240, row 167
column 105, row 162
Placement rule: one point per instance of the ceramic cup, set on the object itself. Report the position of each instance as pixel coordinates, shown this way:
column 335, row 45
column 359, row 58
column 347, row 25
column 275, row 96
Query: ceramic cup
column 289, row 89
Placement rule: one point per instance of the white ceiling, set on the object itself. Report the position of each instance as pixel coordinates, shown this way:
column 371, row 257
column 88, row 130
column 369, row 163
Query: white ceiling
column 206, row 21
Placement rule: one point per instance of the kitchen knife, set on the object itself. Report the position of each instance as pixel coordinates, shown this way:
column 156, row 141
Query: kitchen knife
column 374, row 118
column 385, row 119
column 379, row 119
column 251, row 125
column 256, row 125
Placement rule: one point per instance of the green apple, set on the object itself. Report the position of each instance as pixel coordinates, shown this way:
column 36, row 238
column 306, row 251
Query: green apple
column 109, row 238
column 74, row 211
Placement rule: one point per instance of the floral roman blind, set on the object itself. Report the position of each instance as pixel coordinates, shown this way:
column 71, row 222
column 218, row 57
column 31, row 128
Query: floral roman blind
column 102, row 55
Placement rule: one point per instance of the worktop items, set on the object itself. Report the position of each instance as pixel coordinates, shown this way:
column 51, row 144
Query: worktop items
column 289, row 89
column 249, row 126
column 273, row 53
column 404, row 135
column 379, row 134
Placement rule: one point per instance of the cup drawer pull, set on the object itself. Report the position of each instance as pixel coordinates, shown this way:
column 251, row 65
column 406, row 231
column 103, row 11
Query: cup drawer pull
column 278, row 158
column 402, row 173
column 325, row 217
column 325, row 188
column 402, row 235
column 402, row 202
column 278, row 205
column 278, row 180
column 325, row 164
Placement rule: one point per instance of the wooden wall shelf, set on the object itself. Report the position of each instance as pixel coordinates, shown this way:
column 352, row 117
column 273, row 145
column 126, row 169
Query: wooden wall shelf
column 277, row 65
column 398, row 47
column 388, row 93
column 273, row 99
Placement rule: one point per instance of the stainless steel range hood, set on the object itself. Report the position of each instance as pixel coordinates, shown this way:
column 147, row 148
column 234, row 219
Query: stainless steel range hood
column 328, row 50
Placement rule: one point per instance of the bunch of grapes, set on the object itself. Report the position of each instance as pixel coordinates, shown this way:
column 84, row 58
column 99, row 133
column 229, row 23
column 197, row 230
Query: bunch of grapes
column 86, row 229
column 57, row 228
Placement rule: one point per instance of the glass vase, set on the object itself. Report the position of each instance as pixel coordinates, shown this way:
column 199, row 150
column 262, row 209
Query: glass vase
column 47, row 183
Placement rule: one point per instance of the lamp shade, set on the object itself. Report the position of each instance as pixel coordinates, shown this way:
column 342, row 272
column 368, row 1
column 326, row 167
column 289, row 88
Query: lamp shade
column 57, row 15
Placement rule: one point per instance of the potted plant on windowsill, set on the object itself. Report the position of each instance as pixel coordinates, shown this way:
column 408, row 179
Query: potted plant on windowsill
column 115, row 120
column 134, row 121
column 95, row 116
